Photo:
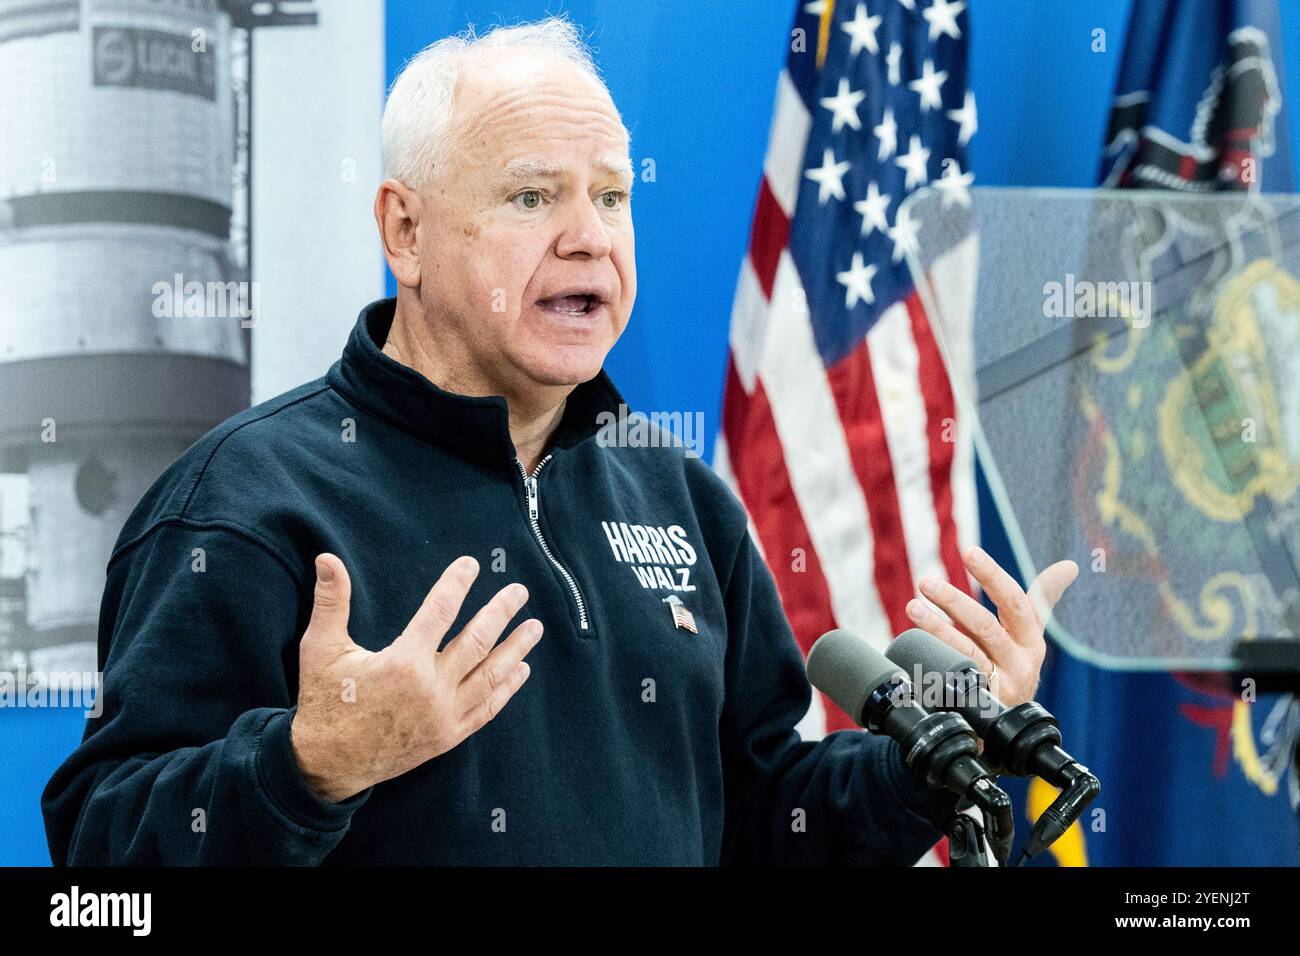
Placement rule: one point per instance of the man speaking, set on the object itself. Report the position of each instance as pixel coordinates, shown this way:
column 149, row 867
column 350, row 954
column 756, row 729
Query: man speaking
column 394, row 617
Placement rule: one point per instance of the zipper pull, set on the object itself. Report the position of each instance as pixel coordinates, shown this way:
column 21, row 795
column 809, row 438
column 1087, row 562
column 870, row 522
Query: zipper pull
column 532, row 498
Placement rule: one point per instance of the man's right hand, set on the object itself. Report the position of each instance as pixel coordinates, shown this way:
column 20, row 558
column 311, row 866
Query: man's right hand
column 365, row 717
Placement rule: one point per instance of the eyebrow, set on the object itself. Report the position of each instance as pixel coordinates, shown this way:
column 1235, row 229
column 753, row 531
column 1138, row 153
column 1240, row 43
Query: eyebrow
column 522, row 169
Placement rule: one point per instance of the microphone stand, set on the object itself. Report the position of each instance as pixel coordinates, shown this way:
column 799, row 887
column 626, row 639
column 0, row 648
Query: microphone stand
column 965, row 841
column 995, row 807
column 942, row 750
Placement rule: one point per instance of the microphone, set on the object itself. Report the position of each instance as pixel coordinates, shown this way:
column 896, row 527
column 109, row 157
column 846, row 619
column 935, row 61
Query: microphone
column 940, row 748
column 1024, row 740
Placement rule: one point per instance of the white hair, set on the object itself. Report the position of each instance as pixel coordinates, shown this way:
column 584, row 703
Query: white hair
column 418, row 115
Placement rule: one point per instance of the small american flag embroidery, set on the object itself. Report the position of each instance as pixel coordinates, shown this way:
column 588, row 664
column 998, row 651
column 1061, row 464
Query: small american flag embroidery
column 682, row 618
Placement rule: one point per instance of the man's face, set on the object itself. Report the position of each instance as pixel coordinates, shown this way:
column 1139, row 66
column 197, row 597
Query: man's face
column 533, row 204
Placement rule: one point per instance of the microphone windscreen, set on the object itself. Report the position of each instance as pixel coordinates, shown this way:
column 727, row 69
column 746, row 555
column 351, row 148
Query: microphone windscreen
column 847, row 669
column 916, row 647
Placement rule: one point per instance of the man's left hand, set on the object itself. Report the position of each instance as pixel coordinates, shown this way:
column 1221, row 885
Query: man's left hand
column 1009, row 647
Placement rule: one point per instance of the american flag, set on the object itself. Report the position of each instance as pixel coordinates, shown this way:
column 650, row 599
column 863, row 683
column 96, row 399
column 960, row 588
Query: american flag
column 841, row 433
column 682, row 618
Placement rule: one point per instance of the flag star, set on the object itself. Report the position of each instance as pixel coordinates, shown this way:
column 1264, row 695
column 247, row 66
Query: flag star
column 862, row 29
column 857, row 282
column 904, row 233
column 954, row 184
column 816, row 8
column 942, row 17
column 909, row 5
column 874, row 210
column 887, row 133
column 892, row 60
column 829, row 177
column 928, row 86
column 913, row 161
column 844, row 105
column 965, row 117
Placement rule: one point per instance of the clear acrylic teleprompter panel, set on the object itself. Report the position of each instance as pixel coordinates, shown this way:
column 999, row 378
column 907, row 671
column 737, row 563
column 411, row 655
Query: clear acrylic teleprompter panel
column 1137, row 366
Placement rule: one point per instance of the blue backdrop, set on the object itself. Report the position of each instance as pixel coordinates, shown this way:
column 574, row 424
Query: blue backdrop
column 694, row 82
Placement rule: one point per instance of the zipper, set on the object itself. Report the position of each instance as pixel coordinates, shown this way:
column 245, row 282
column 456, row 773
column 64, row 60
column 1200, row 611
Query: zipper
column 530, row 490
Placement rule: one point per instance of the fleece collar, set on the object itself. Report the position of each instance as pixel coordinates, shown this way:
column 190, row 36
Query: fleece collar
column 472, row 427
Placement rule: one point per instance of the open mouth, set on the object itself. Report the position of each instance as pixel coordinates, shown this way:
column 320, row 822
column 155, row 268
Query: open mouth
column 580, row 304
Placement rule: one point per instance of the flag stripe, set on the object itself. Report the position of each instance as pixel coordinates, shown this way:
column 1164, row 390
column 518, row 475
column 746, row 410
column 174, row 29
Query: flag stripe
column 941, row 429
column 767, row 238
column 763, row 483
column 953, row 282
column 749, row 316
column 786, row 141
column 853, row 384
column 895, row 363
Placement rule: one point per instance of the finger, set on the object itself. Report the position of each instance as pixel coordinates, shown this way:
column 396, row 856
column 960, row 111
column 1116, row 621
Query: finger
column 1048, row 588
column 438, row 611
column 472, row 644
column 483, row 681
column 935, row 624
column 331, row 602
column 1011, row 601
column 973, row 618
column 498, row 699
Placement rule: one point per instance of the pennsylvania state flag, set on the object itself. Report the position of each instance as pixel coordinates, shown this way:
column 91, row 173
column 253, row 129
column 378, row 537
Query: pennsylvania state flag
column 1191, row 774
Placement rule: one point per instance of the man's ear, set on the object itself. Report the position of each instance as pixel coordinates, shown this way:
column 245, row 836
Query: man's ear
column 397, row 211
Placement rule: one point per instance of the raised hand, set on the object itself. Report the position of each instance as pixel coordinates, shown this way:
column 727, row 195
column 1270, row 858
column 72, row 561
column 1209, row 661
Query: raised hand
column 364, row 717
column 1009, row 648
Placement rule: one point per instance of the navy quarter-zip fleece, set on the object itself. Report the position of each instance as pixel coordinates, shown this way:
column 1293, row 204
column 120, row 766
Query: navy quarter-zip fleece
column 635, row 741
